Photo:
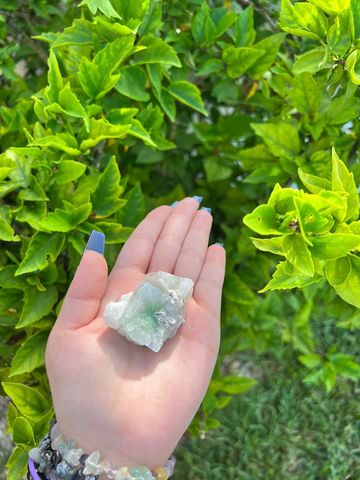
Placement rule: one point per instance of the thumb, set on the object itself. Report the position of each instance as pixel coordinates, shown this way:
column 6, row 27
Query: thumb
column 87, row 288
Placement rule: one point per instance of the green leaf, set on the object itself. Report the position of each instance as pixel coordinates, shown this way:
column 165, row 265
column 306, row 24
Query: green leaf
column 244, row 31
column 68, row 171
column 102, row 129
column 167, row 103
column 28, row 400
column 298, row 254
column 272, row 245
column 156, row 51
column 23, row 433
column 54, row 77
column 355, row 7
column 349, row 289
column 216, row 169
column 237, row 291
column 353, row 66
column 339, row 35
column 137, row 130
column 10, row 417
column 270, row 45
column 61, row 141
column 79, row 33
column 70, row 104
column 240, row 59
column 329, row 376
column 334, row 245
column 17, row 464
column 133, row 211
column 281, row 138
column 311, row 360
column 337, row 271
column 103, row 5
column 42, row 249
column 343, row 181
column 30, row 355
column 132, row 83
column 202, row 27
column 106, row 199
column 7, row 232
column 96, row 76
column 37, row 305
column 189, row 94
column 234, row 385
column 282, row 280
column 65, row 220
column 129, row 9
column 306, row 93
column 332, row 7
column 115, row 233
column 345, row 365
column 294, row 23
column 311, row 61
column 212, row 65
column 8, row 279
column 263, row 220
column 312, row 183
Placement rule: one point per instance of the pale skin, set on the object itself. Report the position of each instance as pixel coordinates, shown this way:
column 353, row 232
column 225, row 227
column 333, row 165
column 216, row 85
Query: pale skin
column 131, row 404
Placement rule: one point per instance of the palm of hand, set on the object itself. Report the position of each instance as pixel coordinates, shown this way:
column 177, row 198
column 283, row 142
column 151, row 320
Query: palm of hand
column 132, row 404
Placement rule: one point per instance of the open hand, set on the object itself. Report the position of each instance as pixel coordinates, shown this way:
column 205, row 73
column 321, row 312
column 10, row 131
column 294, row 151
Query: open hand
column 128, row 402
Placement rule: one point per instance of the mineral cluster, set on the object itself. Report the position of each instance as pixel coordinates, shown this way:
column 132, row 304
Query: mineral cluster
column 153, row 312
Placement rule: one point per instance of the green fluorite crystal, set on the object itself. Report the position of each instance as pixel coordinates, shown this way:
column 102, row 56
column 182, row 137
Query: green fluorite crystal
column 153, row 312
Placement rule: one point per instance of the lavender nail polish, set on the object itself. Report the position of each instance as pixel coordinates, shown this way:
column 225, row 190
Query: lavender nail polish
column 219, row 243
column 96, row 242
column 207, row 209
column 174, row 204
column 198, row 198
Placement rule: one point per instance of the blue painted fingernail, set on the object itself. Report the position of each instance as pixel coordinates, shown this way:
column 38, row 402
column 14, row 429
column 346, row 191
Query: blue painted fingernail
column 219, row 243
column 96, row 242
column 206, row 209
column 174, row 204
column 197, row 198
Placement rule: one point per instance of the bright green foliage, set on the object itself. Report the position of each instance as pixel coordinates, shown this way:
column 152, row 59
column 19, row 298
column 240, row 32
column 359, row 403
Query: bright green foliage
column 318, row 232
column 112, row 107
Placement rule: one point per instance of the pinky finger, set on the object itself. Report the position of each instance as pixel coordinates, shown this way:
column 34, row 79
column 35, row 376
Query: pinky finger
column 208, row 288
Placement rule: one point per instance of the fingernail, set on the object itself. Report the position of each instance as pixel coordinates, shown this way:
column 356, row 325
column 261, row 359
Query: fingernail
column 197, row 198
column 174, row 204
column 219, row 243
column 206, row 209
column 96, row 242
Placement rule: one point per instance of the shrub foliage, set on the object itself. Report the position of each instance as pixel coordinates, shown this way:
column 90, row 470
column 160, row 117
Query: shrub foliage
column 110, row 108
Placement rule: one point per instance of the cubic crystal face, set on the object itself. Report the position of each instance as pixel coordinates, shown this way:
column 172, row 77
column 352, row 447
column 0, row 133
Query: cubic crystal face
column 153, row 312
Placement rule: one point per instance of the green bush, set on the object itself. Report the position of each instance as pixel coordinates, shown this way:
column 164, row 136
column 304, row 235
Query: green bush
column 240, row 104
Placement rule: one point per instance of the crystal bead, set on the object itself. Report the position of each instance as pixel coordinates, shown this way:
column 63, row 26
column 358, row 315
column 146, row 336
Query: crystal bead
column 106, row 465
column 91, row 464
column 83, row 458
column 73, row 456
column 113, row 472
column 141, row 473
column 160, row 474
column 90, row 477
column 34, row 453
column 123, row 474
column 71, row 474
column 53, row 475
column 63, row 467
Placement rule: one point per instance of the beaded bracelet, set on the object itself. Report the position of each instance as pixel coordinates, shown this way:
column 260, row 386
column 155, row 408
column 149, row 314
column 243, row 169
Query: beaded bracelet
column 61, row 460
